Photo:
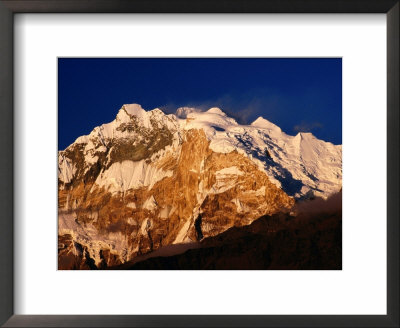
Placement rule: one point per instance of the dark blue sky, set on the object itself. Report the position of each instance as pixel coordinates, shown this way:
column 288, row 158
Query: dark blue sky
column 296, row 94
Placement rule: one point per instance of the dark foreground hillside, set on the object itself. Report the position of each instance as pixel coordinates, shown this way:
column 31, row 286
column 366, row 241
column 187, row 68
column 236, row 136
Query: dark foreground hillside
column 309, row 240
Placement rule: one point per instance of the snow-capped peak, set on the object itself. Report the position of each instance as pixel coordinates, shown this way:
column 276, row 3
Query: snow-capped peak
column 216, row 110
column 262, row 123
column 128, row 111
column 134, row 110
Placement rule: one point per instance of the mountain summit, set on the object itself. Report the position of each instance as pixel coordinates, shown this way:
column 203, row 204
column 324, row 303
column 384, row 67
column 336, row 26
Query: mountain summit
column 147, row 180
column 265, row 124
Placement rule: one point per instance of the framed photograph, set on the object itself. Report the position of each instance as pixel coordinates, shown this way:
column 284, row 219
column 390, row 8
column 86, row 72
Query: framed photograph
column 195, row 186
column 212, row 164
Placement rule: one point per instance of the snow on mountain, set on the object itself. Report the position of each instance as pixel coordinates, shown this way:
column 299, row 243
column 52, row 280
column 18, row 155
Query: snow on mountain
column 301, row 165
column 66, row 169
column 134, row 135
column 135, row 110
column 216, row 110
column 120, row 177
column 214, row 123
column 128, row 118
column 262, row 123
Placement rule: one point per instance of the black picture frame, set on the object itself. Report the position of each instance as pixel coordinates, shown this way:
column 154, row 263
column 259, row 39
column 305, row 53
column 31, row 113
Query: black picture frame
column 10, row 7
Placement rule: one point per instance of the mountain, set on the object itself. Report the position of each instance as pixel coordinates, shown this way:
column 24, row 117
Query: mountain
column 147, row 180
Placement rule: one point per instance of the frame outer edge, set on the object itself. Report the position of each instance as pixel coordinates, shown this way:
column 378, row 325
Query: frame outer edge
column 203, row 6
column 393, row 147
column 6, row 165
column 6, row 177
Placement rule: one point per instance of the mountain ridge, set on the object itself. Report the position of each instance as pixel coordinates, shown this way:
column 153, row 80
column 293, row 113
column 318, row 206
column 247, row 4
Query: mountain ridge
column 227, row 135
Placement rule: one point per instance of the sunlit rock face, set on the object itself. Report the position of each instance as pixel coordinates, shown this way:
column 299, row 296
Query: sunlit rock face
column 148, row 180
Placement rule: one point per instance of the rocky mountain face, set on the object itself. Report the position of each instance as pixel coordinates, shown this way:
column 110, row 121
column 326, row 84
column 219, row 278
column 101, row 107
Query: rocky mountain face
column 309, row 240
column 147, row 180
